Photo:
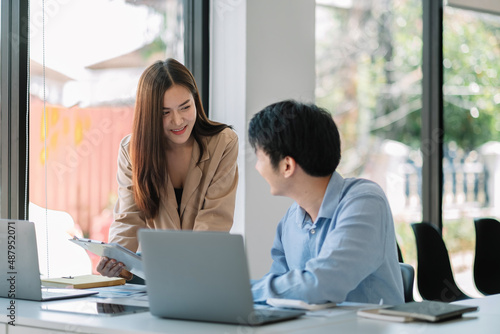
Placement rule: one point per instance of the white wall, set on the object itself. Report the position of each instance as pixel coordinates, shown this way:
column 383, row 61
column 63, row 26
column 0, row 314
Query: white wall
column 262, row 51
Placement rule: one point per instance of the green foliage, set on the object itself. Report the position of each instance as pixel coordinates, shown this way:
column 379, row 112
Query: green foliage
column 471, row 70
column 377, row 74
column 459, row 235
column 406, row 241
column 157, row 46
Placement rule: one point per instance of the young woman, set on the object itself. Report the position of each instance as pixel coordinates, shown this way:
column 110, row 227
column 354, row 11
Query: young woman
column 177, row 170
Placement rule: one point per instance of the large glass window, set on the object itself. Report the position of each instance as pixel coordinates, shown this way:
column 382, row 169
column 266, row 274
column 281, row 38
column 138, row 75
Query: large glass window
column 471, row 164
column 85, row 67
column 368, row 67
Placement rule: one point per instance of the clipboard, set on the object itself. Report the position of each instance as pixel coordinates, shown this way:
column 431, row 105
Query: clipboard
column 131, row 260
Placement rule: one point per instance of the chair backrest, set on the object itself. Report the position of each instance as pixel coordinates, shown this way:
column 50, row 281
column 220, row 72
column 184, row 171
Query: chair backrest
column 408, row 274
column 487, row 256
column 434, row 274
column 400, row 254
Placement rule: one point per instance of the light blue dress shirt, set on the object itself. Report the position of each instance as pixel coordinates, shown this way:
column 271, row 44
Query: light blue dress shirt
column 348, row 254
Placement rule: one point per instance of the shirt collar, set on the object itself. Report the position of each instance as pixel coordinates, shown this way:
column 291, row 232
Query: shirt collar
column 330, row 201
column 332, row 196
column 301, row 217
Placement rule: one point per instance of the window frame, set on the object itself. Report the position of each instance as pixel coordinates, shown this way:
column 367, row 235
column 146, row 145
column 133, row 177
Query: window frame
column 13, row 113
column 432, row 113
column 196, row 44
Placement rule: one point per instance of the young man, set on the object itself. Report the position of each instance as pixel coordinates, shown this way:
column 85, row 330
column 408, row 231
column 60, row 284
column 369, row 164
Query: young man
column 337, row 242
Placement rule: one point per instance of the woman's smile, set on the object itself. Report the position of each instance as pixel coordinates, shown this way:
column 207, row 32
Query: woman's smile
column 180, row 131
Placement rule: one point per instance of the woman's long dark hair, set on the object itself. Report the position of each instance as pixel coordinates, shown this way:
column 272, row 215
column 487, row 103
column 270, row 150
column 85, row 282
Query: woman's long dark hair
column 147, row 145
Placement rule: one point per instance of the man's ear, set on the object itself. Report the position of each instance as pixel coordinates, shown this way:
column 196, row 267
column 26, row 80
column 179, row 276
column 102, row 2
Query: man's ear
column 288, row 166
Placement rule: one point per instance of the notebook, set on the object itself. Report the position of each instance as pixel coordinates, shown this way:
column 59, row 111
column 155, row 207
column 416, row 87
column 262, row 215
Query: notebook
column 19, row 268
column 83, row 281
column 201, row 276
column 428, row 310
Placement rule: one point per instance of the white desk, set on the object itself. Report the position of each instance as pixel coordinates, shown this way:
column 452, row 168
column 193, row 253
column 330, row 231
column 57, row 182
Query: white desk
column 30, row 319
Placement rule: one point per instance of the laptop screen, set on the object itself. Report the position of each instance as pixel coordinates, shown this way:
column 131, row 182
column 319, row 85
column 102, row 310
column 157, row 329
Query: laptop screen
column 19, row 270
column 187, row 273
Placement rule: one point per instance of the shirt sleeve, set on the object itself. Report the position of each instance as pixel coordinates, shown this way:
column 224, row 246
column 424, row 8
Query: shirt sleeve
column 218, row 208
column 352, row 250
column 128, row 219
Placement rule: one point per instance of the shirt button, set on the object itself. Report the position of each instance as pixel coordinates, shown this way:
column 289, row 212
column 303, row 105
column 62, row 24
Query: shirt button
column 313, row 231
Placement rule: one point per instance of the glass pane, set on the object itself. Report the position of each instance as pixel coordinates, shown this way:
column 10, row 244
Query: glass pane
column 82, row 101
column 368, row 67
column 472, row 133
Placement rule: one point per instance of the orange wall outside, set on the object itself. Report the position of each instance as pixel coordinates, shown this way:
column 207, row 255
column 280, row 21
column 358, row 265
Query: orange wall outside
column 80, row 161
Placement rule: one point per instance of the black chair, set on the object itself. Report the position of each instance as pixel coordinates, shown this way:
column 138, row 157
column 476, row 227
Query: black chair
column 408, row 278
column 487, row 257
column 400, row 254
column 434, row 274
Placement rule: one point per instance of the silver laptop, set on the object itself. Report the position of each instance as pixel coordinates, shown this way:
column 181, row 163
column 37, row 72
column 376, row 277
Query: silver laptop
column 19, row 268
column 201, row 276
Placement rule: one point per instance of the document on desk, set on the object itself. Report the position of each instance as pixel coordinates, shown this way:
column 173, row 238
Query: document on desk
column 330, row 312
column 128, row 294
column 313, row 310
column 131, row 260
column 297, row 304
column 340, row 310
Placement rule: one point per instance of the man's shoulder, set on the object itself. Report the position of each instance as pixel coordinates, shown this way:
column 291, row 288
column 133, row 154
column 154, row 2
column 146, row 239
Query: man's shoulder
column 360, row 186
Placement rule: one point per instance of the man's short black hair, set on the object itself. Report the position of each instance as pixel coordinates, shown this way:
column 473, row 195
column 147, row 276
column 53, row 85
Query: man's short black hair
column 302, row 131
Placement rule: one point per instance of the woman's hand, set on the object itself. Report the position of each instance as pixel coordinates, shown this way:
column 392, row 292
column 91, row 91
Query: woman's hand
column 112, row 268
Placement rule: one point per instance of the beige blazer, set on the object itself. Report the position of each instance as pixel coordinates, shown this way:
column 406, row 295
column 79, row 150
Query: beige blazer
column 207, row 199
